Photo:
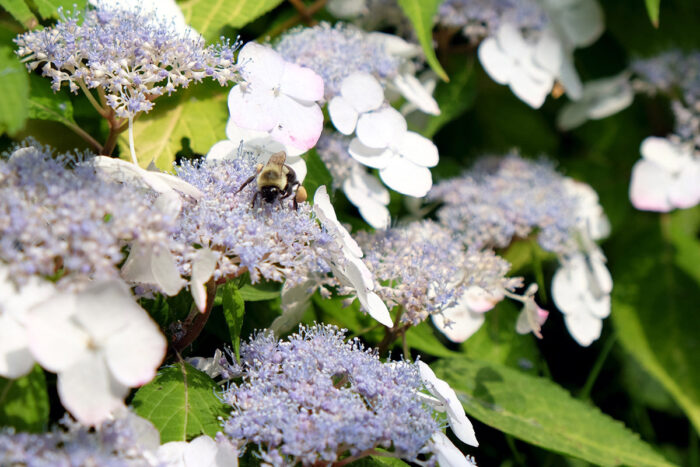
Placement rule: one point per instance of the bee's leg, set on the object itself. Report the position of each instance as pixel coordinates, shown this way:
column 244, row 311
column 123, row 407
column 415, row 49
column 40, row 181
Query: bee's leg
column 245, row 183
column 255, row 197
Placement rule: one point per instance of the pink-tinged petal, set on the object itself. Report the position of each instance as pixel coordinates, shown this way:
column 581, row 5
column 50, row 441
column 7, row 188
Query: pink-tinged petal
column 343, row 115
column 531, row 319
column 326, row 214
column 299, row 125
column 418, row 149
column 153, row 266
column 511, row 41
column 261, row 64
column 301, row 83
column 134, row 353
column 362, row 91
column 549, row 52
column 480, row 300
column 412, row 89
column 203, row 266
column 463, row 322
column 15, row 358
column 371, row 157
column 497, row 64
column 222, row 150
column 88, row 390
column 583, row 327
column 447, row 453
column 530, row 90
column 649, row 187
column 685, row 191
column 55, row 340
column 671, row 157
column 407, row 178
column 381, row 128
column 252, row 107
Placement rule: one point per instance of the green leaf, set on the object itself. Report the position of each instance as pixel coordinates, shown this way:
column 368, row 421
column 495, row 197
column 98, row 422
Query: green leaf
column 14, row 82
column 423, row 338
column 653, row 8
column 20, row 11
column 234, row 310
column 209, row 16
column 260, row 291
column 421, row 14
column 498, row 342
column 655, row 305
column 454, row 98
column 198, row 113
column 24, row 402
column 542, row 413
column 49, row 8
column 180, row 402
column 316, row 174
column 47, row 105
column 683, row 230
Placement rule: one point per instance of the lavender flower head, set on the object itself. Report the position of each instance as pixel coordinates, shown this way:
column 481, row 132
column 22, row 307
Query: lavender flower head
column 502, row 199
column 59, row 219
column 270, row 241
column 424, row 269
column 480, row 18
column 317, row 399
column 332, row 148
column 335, row 52
column 130, row 58
column 124, row 442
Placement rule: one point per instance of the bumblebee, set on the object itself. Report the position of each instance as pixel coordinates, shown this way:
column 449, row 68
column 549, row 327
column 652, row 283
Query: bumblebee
column 276, row 180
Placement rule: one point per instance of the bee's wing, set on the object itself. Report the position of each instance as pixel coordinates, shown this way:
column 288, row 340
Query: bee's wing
column 278, row 159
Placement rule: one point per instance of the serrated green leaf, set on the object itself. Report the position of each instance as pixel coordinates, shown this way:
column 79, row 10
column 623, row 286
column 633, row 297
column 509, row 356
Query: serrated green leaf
column 498, row 342
column 316, row 174
column 209, row 16
column 198, row 113
column 653, row 9
column 181, row 403
column 654, row 311
column 421, row 14
column 542, row 413
column 20, row 11
column 234, row 310
column 49, row 8
column 260, row 291
column 14, row 82
column 47, row 105
column 24, row 402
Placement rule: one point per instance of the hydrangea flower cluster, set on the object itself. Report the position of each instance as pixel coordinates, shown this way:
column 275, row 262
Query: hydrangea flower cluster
column 318, row 399
column 667, row 176
column 62, row 220
column 500, row 200
column 479, row 18
column 130, row 57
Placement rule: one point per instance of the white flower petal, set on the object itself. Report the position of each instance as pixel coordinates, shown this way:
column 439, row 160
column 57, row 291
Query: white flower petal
column 301, row 83
column 529, row 90
column 371, row 157
column 381, row 128
column 252, row 106
column 549, row 52
column 447, row 453
column 569, row 79
column 394, row 45
column 261, row 64
column 671, row 157
column 105, row 308
column 407, row 178
column 581, row 22
column 608, row 96
column 203, row 266
column 362, row 91
column 343, row 115
column 511, row 40
column 88, row 390
column 295, row 302
column 223, row 150
column 497, row 64
column 567, row 283
column 583, row 327
column 412, row 89
column 172, row 454
column 325, row 212
column 369, row 196
column 649, row 186
column 153, row 266
column 298, row 125
column 685, row 191
column 201, row 452
column 418, row 149
column 480, row 300
column 15, row 358
column 464, row 322
column 375, row 307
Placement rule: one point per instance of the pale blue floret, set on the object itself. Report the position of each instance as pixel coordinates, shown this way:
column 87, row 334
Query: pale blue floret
column 479, row 18
column 314, row 398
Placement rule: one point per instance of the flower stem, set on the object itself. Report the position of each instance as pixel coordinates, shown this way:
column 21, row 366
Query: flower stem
column 597, row 366
column 195, row 321
column 101, row 110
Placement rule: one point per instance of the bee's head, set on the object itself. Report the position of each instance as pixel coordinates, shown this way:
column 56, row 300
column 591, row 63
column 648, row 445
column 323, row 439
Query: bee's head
column 269, row 193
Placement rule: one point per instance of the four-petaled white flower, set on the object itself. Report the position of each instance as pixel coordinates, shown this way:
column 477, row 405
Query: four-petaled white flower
column 600, row 98
column 444, row 399
column 359, row 93
column 277, row 97
column 16, row 358
column 99, row 342
column 667, row 177
column 402, row 157
column 369, row 196
column 460, row 321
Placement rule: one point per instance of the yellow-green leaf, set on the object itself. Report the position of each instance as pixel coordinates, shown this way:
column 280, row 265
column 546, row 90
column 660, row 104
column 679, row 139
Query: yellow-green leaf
column 209, row 16
column 653, row 8
column 421, row 13
column 14, row 82
column 20, row 11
